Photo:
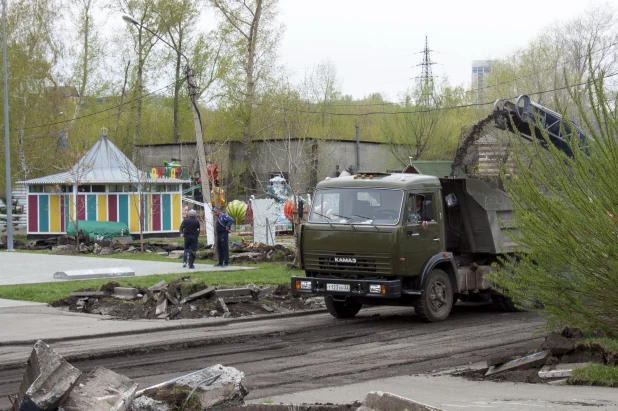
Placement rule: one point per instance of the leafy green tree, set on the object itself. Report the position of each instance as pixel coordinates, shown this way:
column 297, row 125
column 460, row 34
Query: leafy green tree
column 565, row 211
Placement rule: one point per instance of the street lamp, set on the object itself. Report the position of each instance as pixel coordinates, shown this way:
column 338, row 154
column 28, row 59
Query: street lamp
column 7, row 145
column 201, row 153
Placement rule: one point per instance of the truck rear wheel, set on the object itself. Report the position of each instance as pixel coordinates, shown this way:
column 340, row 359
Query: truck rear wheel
column 436, row 302
column 504, row 303
column 342, row 309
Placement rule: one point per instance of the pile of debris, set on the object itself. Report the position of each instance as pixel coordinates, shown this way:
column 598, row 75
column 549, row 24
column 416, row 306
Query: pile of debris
column 51, row 383
column 559, row 355
column 244, row 252
column 184, row 299
column 259, row 252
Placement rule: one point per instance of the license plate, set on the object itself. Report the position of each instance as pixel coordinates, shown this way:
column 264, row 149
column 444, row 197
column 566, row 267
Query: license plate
column 338, row 287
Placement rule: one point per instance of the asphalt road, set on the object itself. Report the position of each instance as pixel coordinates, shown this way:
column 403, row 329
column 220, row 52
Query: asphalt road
column 287, row 355
column 316, row 358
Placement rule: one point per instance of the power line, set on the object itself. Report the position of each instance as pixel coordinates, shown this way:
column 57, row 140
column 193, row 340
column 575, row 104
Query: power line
column 99, row 112
column 352, row 105
column 149, row 95
column 388, row 103
column 425, row 110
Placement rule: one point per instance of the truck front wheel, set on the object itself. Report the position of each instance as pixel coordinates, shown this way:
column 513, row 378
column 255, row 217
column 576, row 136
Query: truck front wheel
column 347, row 308
column 437, row 299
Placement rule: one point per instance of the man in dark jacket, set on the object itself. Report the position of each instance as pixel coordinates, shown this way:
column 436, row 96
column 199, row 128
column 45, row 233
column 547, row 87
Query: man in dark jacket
column 223, row 227
column 190, row 230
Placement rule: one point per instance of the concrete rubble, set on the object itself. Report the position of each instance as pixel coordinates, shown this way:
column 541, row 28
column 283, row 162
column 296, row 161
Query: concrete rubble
column 50, row 383
column 559, row 370
column 529, row 361
column 47, row 382
column 101, row 390
column 169, row 299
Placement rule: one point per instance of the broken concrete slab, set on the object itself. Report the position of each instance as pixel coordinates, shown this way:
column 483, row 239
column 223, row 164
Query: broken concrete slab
column 522, row 363
column 158, row 286
column 205, row 293
column 84, row 294
column 95, row 273
column 144, row 403
column 220, row 306
column 214, row 386
column 232, row 292
column 265, row 293
column 384, row 401
column 240, row 299
column 161, row 305
column 47, row 382
column 125, row 293
column 560, row 370
column 102, row 390
column 171, row 298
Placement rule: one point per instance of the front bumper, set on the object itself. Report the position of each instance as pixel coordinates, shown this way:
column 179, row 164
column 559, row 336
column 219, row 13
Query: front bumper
column 344, row 287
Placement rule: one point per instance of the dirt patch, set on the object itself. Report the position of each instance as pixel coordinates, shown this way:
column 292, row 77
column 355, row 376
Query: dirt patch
column 270, row 300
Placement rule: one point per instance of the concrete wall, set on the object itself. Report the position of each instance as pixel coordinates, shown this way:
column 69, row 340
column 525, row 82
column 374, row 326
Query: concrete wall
column 186, row 153
column 305, row 162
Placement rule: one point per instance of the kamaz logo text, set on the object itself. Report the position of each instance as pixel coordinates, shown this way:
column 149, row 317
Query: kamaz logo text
column 345, row 260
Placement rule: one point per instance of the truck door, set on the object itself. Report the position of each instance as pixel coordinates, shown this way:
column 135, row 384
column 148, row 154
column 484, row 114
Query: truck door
column 420, row 242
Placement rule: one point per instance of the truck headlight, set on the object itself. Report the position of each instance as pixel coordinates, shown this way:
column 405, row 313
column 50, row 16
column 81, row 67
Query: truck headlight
column 305, row 285
column 375, row 288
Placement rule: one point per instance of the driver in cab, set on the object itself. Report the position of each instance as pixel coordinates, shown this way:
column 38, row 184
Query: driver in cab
column 419, row 212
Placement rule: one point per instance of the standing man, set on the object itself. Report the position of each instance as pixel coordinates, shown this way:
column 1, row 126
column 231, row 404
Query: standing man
column 190, row 230
column 223, row 228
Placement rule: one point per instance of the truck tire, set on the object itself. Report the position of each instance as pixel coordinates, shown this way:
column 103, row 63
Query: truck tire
column 342, row 309
column 436, row 302
column 504, row 303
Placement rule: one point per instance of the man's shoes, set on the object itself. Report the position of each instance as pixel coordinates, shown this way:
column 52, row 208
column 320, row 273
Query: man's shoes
column 184, row 264
column 218, row 265
column 191, row 266
column 224, row 265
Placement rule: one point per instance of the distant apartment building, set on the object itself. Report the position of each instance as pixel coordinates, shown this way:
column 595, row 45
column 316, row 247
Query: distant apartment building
column 480, row 69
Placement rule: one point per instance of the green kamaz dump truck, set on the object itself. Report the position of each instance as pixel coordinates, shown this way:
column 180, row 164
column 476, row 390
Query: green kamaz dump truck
column 366, row 241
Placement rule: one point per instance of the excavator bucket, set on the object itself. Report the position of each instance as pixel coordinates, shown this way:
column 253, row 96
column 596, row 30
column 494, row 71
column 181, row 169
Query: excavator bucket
column 532, row 119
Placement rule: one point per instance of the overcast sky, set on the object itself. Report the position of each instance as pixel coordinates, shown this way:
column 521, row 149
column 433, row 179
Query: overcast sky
column 376, row 45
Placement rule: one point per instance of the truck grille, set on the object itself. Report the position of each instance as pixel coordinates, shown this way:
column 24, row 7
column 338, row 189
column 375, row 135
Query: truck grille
column 325, row 261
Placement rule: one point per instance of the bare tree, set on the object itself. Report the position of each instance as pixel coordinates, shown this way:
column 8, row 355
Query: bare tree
column 253, row 38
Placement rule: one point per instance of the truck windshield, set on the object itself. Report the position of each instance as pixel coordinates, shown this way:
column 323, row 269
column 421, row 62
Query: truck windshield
column 351, row 206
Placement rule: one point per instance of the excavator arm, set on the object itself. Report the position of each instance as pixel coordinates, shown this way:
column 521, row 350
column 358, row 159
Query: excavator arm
column 532, row 119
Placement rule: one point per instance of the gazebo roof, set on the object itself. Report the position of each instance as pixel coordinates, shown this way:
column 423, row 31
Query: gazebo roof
column 104, row 163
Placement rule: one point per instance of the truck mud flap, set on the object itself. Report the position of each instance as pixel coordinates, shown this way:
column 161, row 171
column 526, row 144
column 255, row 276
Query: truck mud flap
column 344, row 287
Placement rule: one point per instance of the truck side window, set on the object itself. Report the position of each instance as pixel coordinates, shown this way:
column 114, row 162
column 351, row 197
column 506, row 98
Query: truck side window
column 420, row 207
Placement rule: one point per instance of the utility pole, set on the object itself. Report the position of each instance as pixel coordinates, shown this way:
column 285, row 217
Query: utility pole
column 357, row 148
column 201, row 152
column 7, row 143
column 197, row 121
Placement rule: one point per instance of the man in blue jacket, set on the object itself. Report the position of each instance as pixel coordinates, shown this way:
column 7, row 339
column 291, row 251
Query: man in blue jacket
column 223, row 226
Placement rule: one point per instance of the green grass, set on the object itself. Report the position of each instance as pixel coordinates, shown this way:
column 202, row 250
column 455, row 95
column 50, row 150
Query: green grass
column 608, row 344
column 595, row 374
column 264, row 274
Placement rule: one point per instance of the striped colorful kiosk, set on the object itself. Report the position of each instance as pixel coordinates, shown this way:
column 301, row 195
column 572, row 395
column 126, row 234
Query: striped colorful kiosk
column 104, row 185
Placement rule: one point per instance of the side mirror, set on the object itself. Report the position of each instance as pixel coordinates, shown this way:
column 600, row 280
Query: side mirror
column 427, row 211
